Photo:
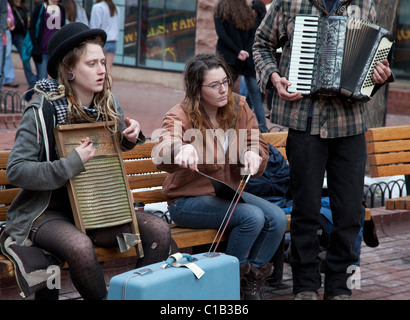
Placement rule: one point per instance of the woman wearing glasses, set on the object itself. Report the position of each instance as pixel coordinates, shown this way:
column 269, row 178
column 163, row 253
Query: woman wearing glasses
column 214, row 132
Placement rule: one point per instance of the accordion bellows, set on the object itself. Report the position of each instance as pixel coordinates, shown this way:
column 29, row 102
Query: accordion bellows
column 336, row 55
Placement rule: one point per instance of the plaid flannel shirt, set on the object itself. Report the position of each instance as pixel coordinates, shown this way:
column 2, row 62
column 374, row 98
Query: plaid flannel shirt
column 332, row 117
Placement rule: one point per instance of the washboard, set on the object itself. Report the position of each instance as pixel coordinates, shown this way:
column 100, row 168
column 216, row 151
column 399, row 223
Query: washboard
column 100, row 196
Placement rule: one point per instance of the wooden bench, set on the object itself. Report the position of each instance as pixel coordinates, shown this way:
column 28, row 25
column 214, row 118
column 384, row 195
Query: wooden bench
column 388, row 152
column 145, row 181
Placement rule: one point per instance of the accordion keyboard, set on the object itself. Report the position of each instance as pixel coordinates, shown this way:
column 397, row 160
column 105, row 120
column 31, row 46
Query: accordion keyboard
column 336, row 56
column 303, row 54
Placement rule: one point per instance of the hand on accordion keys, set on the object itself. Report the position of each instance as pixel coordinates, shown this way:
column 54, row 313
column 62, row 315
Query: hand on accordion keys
column 382, row 72
column 281, row 84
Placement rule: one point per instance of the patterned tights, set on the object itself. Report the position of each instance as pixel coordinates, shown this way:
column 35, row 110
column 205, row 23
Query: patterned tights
column 66, row 242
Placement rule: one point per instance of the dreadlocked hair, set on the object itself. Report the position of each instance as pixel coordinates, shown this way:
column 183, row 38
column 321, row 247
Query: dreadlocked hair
column 242, row 15
column 194, row 78
column 103, row 100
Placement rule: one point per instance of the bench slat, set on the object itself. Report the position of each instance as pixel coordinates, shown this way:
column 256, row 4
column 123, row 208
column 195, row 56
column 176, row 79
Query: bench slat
column 140, row 151
column 3, row 211
column 367, row 214
column 6, row 267
column 7, row 195
column 3, row 178
column 146, row 180
column 388, row 146
column 387, row 171
column 389, row 158
column 4, row 157
column 106, row 254
column 388, row 133
column 277, row 139
column 140, row 166
column 150, row 196
column 184, row 236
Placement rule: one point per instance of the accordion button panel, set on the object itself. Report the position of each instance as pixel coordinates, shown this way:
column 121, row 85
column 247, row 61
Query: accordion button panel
column 303, row 54
column 382, row 53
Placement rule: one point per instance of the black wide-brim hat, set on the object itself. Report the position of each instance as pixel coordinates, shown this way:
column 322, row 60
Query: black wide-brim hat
column 67, row 38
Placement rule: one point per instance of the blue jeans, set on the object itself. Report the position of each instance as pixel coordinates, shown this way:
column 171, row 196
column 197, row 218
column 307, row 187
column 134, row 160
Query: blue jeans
column 18, row 40
column 8, row 68
column 257, row 226
column 110, row 47
column 255, row 97
column 42, row 68
column 2, row 59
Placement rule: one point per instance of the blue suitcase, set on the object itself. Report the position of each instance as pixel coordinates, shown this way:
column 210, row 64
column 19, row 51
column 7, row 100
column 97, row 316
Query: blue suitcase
column 204, row 276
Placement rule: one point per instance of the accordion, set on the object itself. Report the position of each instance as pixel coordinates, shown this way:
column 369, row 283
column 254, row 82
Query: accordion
column 336, row 55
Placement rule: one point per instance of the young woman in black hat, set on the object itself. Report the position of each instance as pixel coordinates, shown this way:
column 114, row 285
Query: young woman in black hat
column 78, row 91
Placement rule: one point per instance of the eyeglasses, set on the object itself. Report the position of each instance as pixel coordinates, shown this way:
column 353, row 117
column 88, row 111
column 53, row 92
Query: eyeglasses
column 217, row 85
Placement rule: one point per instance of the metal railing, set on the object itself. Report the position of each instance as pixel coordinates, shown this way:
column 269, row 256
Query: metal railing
column 11, row 101
column 376, row 193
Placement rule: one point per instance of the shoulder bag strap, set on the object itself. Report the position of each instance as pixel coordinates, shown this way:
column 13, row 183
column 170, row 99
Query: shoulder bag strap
column 39, row 20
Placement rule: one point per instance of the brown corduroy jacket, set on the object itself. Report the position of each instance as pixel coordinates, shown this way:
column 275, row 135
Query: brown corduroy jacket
column 213, row 160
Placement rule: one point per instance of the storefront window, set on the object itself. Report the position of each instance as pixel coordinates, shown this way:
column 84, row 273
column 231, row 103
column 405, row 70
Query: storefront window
column 129, row 37
column 157, row 34
column 401, row 66
column 167, row 33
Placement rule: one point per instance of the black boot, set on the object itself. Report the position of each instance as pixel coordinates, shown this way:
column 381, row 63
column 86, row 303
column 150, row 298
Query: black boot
column 252, row 281
column 243, row 270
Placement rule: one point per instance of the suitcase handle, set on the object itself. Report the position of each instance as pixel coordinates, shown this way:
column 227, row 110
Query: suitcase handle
column 177, row 257
column 173, row 260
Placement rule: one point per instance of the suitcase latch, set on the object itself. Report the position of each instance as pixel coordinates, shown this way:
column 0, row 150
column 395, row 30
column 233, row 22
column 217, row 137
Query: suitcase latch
column 143, row 272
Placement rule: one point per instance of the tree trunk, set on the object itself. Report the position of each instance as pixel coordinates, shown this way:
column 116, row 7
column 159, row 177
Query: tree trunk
column 376, row 109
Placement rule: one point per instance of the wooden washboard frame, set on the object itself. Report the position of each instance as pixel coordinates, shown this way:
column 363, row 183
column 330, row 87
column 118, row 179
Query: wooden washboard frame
column 100, row 196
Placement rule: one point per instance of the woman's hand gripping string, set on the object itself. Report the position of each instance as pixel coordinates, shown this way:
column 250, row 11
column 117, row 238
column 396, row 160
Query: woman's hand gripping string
column 187, row 157
column 252, row 161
